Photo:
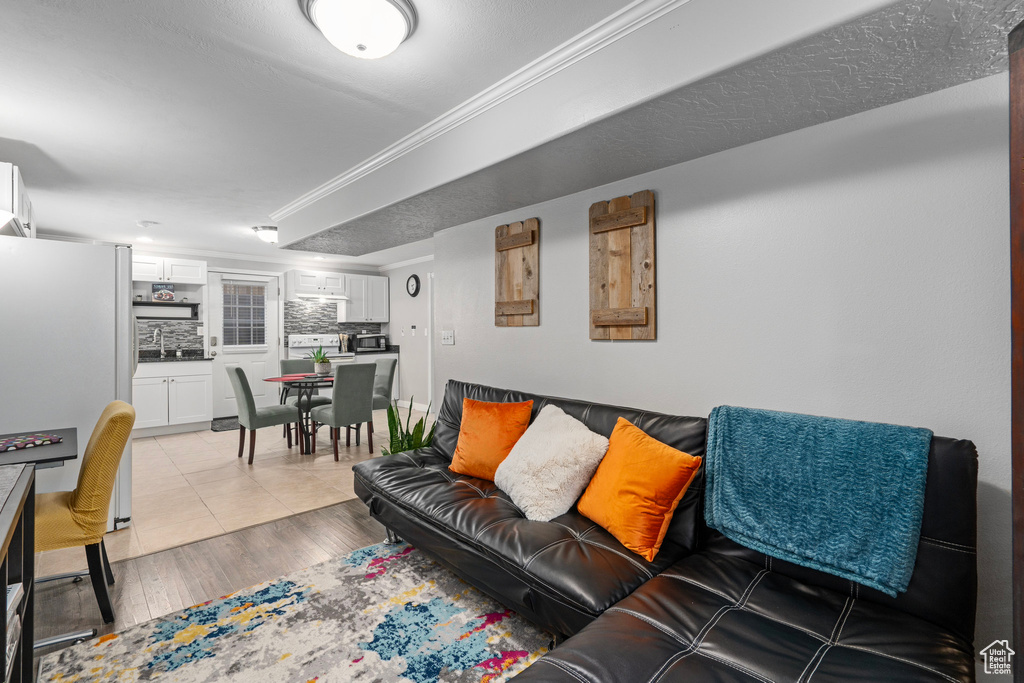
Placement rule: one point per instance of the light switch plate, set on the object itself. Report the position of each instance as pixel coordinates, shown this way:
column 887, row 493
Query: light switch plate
column 448, row 337
column 200, row 330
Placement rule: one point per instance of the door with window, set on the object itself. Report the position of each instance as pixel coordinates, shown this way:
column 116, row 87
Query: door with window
column 244, row 319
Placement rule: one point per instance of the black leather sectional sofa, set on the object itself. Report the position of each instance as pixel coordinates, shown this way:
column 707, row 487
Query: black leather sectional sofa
column 706, row 609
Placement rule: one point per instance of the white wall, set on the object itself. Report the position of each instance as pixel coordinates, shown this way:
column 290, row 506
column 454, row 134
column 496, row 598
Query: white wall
column 406, row 311
column 858, row 269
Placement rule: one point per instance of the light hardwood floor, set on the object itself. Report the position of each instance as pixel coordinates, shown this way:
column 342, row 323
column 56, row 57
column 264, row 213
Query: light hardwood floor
column 155, row 585
column 187, row 487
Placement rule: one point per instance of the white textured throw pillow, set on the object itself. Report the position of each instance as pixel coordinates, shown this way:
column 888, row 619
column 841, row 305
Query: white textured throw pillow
column 551, row 464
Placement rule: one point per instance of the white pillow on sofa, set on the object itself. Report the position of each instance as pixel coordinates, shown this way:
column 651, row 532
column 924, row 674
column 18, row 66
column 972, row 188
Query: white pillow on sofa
column 551, row 464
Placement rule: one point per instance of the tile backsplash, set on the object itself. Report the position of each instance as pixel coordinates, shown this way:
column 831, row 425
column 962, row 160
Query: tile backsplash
column 313, row 317
column 176, row 332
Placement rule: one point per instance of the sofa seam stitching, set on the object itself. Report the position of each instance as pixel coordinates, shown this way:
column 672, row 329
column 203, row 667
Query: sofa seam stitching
column 898, row 659
column 552, row 592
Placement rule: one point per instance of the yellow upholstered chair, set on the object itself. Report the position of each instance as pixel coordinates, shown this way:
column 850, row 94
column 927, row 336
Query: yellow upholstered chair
column 68, row 519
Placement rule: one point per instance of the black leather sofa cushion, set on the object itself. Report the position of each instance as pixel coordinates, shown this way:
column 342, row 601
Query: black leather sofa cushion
column 944, row 587
column 712, row 617
column 562, row 574
column 688, row 434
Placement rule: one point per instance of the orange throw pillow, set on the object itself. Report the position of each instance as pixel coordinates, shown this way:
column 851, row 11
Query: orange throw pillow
column 488, row 433
column 637, row 487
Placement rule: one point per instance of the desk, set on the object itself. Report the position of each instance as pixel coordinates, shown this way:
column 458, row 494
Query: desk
column 43, row 457
column 305, row 384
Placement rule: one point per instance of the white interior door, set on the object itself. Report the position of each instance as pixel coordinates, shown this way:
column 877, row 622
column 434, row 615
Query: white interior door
column 244, row 319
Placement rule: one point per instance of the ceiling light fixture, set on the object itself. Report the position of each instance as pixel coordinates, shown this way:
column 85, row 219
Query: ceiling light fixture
column 267, row 233
column 367, row 29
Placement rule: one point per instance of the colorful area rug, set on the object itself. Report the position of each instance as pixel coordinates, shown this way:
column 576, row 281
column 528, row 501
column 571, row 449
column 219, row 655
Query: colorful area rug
column 383, row 613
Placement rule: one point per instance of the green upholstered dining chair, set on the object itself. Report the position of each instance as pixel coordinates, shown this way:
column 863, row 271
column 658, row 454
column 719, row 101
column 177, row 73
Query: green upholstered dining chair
column 351, row 404
column 295, row 366
column 252, row 418
column 383, row 380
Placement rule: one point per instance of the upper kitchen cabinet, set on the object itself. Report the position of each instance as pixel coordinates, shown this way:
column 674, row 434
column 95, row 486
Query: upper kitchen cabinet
column 14, row 198
column 158, row 269
column 367, row 300
column 308, row 284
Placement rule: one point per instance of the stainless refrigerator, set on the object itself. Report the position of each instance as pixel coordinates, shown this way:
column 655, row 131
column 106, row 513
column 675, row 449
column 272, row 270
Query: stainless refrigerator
column 66, row 349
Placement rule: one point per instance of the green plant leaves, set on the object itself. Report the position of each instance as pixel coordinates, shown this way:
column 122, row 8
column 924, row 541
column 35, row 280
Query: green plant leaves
column 404, row 439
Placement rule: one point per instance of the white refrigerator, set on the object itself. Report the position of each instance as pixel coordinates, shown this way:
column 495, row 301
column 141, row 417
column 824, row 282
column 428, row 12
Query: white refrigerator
column 66, row 347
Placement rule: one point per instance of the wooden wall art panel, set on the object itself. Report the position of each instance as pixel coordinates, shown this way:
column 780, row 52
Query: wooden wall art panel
column 622, row 296
column 516, row 274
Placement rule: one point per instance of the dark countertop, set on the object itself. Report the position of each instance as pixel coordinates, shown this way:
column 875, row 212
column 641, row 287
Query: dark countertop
column 389, row 349
column 187, row 355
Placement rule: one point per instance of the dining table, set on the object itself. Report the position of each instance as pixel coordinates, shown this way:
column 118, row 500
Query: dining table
column 304, row 385
column 46, row 456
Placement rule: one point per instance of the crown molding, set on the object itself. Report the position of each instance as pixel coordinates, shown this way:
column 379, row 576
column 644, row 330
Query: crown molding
column 295, row 262
column 630, row 18
column 403, row 264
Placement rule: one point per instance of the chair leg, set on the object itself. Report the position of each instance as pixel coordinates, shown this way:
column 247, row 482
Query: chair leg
column 334, row 438
column 358, row 428
column 241, row 440
column 312, row 448
column 99, row 584
column 348, row 437
column 288, row 434
column 369, row 435
column 106, row 564
column 252, row 444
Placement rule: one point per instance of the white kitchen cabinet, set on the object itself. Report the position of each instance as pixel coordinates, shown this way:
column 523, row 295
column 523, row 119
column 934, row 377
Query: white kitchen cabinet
column 354, row 310
column 149, row 396
column 173, row 393
column 377, row 304
column 308, row 284
column 367, row 300
column 185, row 271
column 176, row 270
column 189, row 399
column 14, row 198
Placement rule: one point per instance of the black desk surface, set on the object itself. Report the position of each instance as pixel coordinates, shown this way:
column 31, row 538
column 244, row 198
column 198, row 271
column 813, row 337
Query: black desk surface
column 52, row 455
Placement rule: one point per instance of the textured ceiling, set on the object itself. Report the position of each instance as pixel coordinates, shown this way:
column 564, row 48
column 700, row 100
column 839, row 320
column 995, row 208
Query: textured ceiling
column 905, row 50
column 206, row 115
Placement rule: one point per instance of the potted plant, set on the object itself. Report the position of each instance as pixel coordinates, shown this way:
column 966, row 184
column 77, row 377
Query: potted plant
column 321, row 363
column 404, row 439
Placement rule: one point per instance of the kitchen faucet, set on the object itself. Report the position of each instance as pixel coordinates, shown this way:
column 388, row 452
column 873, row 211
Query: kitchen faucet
column 159, row 332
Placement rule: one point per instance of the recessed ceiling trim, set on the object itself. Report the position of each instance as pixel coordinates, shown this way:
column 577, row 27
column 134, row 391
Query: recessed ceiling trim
column 600, row 35
column 295, row 261
column 403, row 264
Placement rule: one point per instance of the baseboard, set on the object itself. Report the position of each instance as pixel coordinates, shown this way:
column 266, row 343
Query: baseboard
column 415, row 406
column 170, row 429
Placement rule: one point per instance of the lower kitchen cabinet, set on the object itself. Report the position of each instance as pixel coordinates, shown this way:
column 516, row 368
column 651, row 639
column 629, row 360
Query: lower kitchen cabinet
column 165, row 399
column 189, row 399
column 149, row 396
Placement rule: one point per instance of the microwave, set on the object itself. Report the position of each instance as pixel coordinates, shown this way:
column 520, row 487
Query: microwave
column 370, row 342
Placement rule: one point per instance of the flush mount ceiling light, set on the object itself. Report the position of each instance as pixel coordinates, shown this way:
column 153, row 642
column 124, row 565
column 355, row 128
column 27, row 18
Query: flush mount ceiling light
column 367, row 29
column 267, row 233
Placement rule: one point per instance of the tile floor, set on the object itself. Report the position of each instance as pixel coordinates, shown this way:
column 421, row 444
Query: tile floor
column 187, row 487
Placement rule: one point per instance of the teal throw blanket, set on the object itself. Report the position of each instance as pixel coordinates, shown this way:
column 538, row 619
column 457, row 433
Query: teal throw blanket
column 839, row 496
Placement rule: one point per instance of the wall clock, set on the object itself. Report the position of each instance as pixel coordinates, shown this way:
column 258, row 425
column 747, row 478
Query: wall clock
column 412, row 285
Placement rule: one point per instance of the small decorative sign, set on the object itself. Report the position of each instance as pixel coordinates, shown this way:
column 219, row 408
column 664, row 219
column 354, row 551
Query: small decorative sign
column 163, row 292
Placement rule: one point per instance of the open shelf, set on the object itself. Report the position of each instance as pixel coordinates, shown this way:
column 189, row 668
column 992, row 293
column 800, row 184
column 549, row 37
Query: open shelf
column 165, row 310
